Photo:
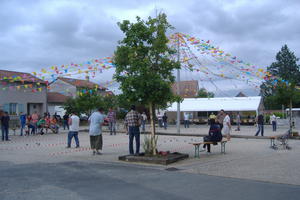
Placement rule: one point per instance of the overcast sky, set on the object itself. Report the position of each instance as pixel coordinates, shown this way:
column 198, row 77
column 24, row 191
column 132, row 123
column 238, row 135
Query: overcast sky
column 37, row 34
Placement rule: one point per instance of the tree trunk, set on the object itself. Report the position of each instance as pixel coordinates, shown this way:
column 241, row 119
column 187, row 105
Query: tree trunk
column 290, row 110
column 151, row 111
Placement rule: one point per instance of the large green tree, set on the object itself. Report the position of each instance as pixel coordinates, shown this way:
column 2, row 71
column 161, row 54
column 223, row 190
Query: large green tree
column 143, row 65
column 282, row 88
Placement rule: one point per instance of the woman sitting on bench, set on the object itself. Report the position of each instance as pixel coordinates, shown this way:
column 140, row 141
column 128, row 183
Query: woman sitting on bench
column 214, row 134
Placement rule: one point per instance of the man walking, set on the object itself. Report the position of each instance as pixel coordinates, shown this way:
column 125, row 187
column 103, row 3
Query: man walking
column 73, row 129
column 22, row 122
column 260, row 125
column 226, row 126
column 132, row 123
column 112, row 121
column 96, row 120
column 5, row 126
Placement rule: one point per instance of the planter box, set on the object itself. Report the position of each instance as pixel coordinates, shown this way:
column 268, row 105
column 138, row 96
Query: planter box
column 159, row 159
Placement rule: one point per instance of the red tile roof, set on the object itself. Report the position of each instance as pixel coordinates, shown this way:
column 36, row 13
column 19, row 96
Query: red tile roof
column 81, row 83
column 55, row 97
column 187, row 89
column 19, row 76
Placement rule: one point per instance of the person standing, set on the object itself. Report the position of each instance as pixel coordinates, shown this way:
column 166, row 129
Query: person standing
column 73, row 129
column 186, row 121
column 220, row 117
column 165, row 120
column 5, row 126
column 144, row 119
column 260, row 124
column 274, row 122
column 159, row 118
column 22, row 122
column 238, row 122
column 132, row 123
column 34, row 120
column 95, row 131
column 112, row 121
column 226, row 126
column 66, row 121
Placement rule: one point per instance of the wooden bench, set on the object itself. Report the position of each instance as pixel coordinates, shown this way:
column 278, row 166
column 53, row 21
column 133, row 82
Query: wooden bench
column 198, row 144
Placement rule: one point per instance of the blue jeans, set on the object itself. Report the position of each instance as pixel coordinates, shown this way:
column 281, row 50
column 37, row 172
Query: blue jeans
column 186, row 123
column 112, row 127
column 22, row 127
column 260, row 129
column 72, row 134
column 143, row 125
column 4, row 133
column 134, row 132
column 274, row 125
column 165, row 125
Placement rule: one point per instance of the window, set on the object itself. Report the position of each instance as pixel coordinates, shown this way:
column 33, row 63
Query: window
column 12, row 108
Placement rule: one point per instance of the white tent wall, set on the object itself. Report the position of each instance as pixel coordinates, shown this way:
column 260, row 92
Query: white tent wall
column 200, row 108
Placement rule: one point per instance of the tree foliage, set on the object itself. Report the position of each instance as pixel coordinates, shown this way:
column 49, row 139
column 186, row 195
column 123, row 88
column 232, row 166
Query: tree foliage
column 203, row 93
column 282, row 90
column 143, row 64
column 88, row 102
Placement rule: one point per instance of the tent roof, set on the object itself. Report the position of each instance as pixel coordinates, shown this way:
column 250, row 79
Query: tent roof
column 216, row 104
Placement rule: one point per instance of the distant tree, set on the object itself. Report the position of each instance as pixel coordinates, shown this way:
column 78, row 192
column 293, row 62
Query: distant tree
column 143, row 65
column 203, row 93
column 282, row 88
column 88, row 102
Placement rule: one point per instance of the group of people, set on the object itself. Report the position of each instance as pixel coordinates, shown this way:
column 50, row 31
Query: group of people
column 35, row 124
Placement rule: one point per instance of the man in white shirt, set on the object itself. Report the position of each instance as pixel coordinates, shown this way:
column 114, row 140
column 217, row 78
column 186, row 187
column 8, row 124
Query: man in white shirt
column 96, row 120
column 274, row 122
column 226, row 126
column 73, row 130
column 186, row 121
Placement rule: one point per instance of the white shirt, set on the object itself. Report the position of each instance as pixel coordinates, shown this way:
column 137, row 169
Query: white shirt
column 226, row 120
column 96, row 120
column 75, row 123
column 186, row 116
column 273, row 118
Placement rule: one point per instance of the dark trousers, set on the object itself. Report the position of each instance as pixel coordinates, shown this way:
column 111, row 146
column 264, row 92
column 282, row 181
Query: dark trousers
column 208, row 147
column 165, row 125
column 4, row 133
column 134, row 132
column 72, row 134
column 66, row 124
column 186, row 123
column 274, row 125
column 260, row 129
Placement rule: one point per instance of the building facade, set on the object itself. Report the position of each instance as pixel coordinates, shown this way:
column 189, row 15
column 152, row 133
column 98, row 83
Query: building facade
column 22, row 92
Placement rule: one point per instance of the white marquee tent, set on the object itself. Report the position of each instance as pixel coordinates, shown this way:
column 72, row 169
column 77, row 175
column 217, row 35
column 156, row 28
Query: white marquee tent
column 216, row 104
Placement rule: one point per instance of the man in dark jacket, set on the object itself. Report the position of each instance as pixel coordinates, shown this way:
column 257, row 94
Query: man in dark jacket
column 5, row 126
column 260, row 125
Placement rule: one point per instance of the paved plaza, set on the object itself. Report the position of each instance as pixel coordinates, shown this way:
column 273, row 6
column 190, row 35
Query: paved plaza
column 40, row 164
